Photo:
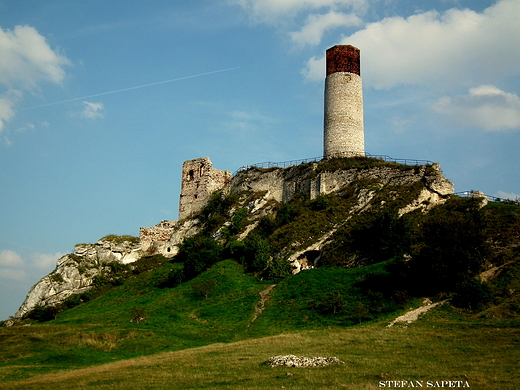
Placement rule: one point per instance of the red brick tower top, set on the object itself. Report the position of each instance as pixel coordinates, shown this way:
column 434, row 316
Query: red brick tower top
column 343, row 58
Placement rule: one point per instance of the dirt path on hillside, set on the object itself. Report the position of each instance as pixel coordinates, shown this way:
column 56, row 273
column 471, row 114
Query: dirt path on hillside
column 413, row 315
column 259, row 308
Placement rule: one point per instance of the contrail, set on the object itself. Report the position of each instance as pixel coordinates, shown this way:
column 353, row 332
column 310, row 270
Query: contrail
column 131, row 88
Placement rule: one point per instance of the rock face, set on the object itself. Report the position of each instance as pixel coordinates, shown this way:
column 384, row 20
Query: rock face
column 261, row 192
column 75, row 273
column 319, row 178
column 271, row 187
column 282, row 184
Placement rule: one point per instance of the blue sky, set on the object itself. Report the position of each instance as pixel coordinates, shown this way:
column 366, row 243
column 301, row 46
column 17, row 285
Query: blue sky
column 102, row 101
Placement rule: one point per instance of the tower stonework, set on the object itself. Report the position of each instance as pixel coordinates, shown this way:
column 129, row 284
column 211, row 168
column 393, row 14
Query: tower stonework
column 199, row 181
column 343, row 122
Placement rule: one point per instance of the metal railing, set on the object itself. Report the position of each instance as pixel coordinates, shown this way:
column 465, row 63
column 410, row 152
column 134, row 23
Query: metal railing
column 479, row 194
column 286, row 164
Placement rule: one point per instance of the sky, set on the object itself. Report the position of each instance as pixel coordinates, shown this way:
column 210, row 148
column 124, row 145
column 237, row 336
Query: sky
column 102, row 101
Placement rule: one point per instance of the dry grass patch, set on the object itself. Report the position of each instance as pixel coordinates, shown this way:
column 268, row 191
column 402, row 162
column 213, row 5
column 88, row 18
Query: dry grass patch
column 104, row 341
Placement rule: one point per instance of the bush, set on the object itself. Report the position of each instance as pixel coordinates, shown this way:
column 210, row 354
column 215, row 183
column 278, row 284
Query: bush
column 451, row 249
column 279, row 268
column 204, row 287
column 286, row 214
column 237, row 221
column 43, row 313
column 472, row 294
column 382, row 237
column 198, row 253
column 332, row 302
column 173, row 278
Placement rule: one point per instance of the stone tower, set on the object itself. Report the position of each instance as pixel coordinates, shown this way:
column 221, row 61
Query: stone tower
column 343, row 124
column 199, row 181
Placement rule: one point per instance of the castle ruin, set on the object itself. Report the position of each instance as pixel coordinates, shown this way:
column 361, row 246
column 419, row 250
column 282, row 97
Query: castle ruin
column 343, row 136
column 199, row 181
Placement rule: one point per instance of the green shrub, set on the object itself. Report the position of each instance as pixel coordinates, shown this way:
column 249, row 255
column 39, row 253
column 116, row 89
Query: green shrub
column 381, row 237
column 333, row 302
column 173, row 278
column 279, row 268
column 451, row 247
column 43, row 313
column 56, row 278
column 204, row 287
column 198, row 253
column 237, row 221
column 472, row 294
column 286, row 214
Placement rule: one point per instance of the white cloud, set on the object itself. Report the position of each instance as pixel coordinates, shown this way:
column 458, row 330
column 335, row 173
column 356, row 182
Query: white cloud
column 13, row 266
column 317, row 25
column 507, row 195
column 271, row 11
column 26, row 60
column 6, row 111
column 10, row 259
column 439, row 50
column 45, row 261
column 485, row 107
column 11, row 274
column 247, row 122
column 314, row 69
column 92, row 110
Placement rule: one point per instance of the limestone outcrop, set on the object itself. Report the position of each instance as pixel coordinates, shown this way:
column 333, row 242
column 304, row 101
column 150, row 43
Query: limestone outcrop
column 75, row 272
column 282, row 184
column 260, row 192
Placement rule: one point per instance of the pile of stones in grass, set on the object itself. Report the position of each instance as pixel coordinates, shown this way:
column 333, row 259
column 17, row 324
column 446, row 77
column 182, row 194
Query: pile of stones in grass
column 301, row 361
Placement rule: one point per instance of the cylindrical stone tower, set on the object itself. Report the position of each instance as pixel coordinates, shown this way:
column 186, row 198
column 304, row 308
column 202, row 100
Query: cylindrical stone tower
column 343, row 127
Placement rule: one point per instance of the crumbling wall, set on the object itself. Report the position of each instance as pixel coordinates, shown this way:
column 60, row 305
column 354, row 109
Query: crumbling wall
column 199, row 181
column 155, row 239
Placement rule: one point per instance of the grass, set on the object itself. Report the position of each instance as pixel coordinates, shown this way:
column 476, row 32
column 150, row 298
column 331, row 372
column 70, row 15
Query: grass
column 444, row 345
column 193, row 341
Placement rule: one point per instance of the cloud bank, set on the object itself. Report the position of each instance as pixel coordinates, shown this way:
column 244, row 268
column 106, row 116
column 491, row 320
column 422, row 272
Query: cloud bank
column 26, row 61
column 485, row 107
column 14, row 267
column 273, row 11
column 317, row 25
column 437, row 50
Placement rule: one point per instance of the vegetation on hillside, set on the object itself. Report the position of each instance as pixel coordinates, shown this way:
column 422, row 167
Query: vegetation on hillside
column 375, row 264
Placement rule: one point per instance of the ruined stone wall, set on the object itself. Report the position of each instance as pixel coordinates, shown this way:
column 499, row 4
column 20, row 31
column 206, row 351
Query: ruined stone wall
column 199, row 181
column 160, row 232
column 283, row 183
column 343, row 120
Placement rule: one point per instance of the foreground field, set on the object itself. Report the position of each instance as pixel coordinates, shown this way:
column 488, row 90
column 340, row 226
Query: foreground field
column 444, row 345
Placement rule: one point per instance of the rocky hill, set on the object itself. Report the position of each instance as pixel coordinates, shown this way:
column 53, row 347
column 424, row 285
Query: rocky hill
column 337, row 190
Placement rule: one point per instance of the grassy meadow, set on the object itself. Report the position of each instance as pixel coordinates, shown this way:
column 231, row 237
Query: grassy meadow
column 443, row 345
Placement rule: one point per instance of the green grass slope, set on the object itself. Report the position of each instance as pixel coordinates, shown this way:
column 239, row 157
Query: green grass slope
column 444, row 345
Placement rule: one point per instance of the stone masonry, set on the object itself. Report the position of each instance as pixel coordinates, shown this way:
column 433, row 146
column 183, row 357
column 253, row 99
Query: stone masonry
column 343, row 122
column 199, row 181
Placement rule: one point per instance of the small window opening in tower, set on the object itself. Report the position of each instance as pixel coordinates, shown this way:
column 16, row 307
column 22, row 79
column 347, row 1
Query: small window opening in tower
column 201, row 169
column 191, row 175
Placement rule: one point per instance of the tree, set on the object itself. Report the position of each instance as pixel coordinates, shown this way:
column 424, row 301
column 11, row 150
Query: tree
column 204, row 287
column 198, row 253
column 451, row 250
